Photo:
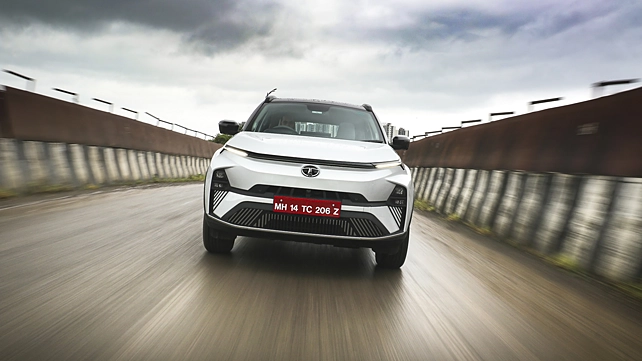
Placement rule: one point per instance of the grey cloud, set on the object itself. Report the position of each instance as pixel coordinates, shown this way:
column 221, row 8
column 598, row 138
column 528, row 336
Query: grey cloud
column 211, row 24
column 468, row 25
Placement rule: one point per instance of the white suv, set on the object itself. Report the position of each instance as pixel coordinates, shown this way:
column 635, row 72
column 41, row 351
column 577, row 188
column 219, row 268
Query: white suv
column 310, row 171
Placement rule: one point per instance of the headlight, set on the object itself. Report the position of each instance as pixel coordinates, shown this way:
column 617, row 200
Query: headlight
column 219, row 180
column 387, row 164
column 236, row 151
column 398, row 197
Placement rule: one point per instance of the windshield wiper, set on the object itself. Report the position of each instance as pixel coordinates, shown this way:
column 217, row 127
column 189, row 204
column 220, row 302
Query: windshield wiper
column 372, row 141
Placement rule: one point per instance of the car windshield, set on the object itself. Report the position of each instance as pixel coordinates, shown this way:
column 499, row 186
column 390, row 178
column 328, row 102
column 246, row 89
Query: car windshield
column 317, row 120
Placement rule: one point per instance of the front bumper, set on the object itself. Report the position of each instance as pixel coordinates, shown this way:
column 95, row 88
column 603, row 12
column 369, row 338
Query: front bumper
column 384, row 243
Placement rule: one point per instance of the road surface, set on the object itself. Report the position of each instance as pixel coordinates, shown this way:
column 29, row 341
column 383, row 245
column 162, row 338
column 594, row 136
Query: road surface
column 123, row 275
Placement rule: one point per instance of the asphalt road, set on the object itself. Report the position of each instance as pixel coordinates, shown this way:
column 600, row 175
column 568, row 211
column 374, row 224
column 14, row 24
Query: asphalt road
column 123, row 275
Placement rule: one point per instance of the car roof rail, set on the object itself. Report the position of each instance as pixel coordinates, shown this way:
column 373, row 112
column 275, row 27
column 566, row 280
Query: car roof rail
column 367, row 107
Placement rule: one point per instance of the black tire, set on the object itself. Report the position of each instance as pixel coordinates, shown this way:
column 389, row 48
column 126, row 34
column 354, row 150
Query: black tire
column 394, row 260
column 216, row 241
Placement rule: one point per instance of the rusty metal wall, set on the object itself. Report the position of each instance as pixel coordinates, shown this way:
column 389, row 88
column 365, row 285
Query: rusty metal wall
column 601, row 137
column 31, row 116
column 3, row 117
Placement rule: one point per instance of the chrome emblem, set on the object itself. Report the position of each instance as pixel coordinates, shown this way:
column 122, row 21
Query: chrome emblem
column 310, row 171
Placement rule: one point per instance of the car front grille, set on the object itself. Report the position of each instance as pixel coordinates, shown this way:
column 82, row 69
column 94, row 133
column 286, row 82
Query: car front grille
column 344, row 226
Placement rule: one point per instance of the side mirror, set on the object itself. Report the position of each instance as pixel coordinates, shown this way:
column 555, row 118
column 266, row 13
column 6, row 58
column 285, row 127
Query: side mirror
column 400, row 142
column 229, row 127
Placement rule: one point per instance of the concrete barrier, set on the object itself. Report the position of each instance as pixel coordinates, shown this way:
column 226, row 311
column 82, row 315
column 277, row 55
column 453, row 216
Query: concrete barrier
column 32, row 166
column 444, row 190
column 478, row 194
column 455, row 191
column 588, row 220
column 508, row 204
column 424, row 176
column 111, row 163
column 494, row 194
column 528, row 209
column 557, row 212
column 593, row 223
column 621, row 251
column 434, row 186
column 466, row 193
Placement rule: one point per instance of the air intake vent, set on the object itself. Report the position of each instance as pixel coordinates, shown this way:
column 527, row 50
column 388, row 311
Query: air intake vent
column 217, row 197
column 344, row 226
column 398, row 215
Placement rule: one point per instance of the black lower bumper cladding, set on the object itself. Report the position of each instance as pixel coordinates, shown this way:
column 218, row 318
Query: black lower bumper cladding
column 352, row 229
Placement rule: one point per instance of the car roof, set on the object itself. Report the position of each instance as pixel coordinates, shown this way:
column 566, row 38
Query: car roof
column 317, row 101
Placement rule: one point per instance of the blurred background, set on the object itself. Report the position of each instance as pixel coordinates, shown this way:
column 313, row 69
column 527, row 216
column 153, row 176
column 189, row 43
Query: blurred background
column 525, row 121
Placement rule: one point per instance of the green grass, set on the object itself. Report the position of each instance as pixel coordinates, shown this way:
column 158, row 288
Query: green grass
column 564, row 261
column 5, row 193
column 423, row 205
column 453, row 217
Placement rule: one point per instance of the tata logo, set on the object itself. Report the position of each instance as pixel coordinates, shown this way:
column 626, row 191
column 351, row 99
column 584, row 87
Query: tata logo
column 310, row 171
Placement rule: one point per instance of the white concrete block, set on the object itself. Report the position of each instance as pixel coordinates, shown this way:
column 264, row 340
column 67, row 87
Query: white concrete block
column 444, row 189
column 151, row 163
column 111, row 165
column 529, row 207
column 35, row 158
column 206, row 165
column 182, row 167
column 588, row 219
column 177, row 166
column 477, row 196
column 80, row 166
column 467, row 191
column 421, row 182
column 425, row 178
column 97, row 169
column 622, row 244
column 132, row 158
column 160, row 168
column 188, row 166
column 123, row 164
column 10, row 173
column 457, row 184
column 493, row 196
column 173, row 168
column 165, row 164
column 142, row 164
column 191, row 170
column 439, row 178
column 59, row 159
column 195, row 161
column 413, row 176
column 556, row 212
column 508, row 205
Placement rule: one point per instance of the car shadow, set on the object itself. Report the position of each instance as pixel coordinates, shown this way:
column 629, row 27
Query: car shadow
column 301, row 260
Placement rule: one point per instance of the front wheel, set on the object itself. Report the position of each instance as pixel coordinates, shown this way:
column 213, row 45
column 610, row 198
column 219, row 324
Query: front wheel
column 216, row 241
column 394, row 260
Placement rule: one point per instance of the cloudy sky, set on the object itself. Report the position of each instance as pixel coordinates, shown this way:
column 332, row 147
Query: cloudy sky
column 422, row 65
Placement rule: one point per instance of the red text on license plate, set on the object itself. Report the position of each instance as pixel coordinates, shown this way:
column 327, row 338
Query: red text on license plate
column 310, row 207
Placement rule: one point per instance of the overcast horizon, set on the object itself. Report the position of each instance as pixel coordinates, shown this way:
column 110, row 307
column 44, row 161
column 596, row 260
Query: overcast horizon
column 422, row 66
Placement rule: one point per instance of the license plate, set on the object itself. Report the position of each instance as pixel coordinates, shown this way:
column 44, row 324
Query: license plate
column 309, row 207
